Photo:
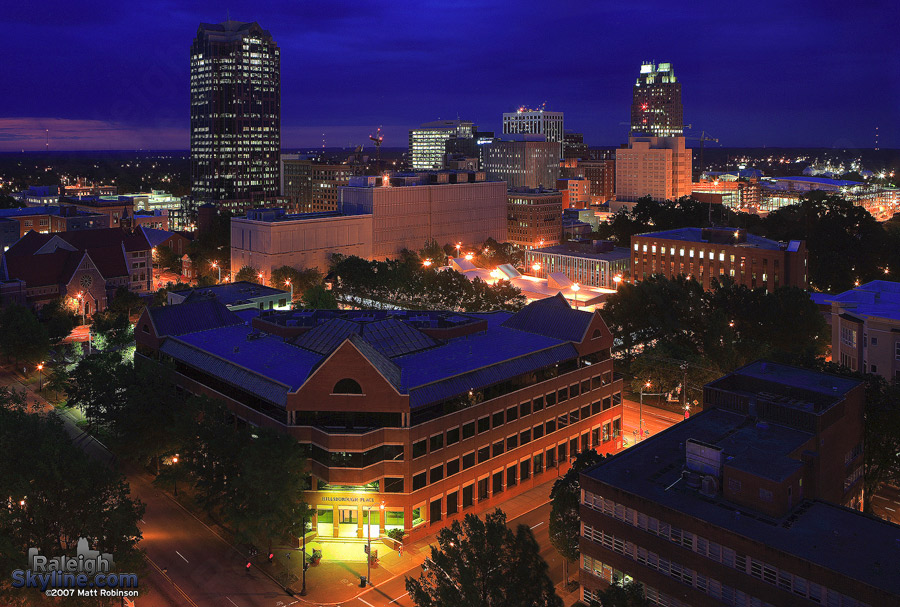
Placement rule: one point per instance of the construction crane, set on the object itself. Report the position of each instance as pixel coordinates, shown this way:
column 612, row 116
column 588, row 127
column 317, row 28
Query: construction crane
column 378, row 139
column 703, row 138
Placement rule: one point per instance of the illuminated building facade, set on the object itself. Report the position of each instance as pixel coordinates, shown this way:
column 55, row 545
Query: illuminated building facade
column 522, row 161
column 709, row 253
column 422, row 416
column 312, row 185
column 865, row 328
column 428, row 143
column 235, row 115
column 587, row 264
column 658, row 167
column 534, row 217
column 599, row 170
column 525, row 121
column 656, row 103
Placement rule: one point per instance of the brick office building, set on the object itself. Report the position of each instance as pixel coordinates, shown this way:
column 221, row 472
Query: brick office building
column 708, row 253
column 534, row 217
column 425, row 413
column 748, row 503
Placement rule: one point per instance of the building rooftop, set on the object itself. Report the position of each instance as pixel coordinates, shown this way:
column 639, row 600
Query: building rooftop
column 44, row 210
column 792, row 387
column 230, row 293
column 486, row 348
column 841, row 183
column 585, row 251
column 843, row 540
column 879, row 298
column 697, row 235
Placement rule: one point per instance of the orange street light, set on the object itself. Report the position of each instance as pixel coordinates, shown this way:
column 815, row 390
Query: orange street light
column 427, row 263
column 40, row 369
column 536, row 266
column 468, row 257
column 288, row 283
column 617, row 279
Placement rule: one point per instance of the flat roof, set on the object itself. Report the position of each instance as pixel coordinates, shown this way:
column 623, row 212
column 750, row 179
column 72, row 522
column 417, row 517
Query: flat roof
column 696, row 235
column 231, row 292
column 845, row 541
column 573, row 251
column 880, row 298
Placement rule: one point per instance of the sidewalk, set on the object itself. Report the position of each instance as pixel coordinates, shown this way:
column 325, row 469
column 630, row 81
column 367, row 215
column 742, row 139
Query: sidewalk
column 333, row 582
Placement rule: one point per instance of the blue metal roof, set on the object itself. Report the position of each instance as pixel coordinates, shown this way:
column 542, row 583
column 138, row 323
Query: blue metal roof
column 231, row 292
column 265, row 355
column 552, row 317
column 490, row 375
column 191, row 317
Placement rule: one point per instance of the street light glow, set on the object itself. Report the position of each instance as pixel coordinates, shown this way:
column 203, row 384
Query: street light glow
column 427, row 263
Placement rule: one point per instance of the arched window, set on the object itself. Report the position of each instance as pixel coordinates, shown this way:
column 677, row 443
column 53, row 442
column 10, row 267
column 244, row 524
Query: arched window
column 597, row 334
column 347, row 386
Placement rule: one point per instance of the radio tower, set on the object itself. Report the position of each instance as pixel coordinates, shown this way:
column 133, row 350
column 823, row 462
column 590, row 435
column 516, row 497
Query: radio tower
column 876, row 138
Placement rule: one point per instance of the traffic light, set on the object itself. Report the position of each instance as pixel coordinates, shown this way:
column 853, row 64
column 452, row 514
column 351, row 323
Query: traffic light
column 271, row 556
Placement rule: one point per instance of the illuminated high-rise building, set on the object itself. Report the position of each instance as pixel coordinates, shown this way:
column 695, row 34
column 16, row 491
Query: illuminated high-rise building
column 525, row 121
column 428, row 143
column 656, row 106
column 235, row 115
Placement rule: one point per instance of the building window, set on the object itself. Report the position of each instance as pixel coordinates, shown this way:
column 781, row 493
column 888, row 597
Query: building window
column 347, row 386
column 468, row 460
column 897, row 350
column 525, row 437
column 468, row 495
column 437, row 473
column 452, row 436
column 484, row 424
column 453, row 466
column 468, row 430
column 525, row 470
column 511, row 476
column 483, row 489
column 420, row 448
column 497, row 449
column 512, row 414
column 419, row 481
column 525, row 409
column 452, row 503
column 437, row 442
column 484, row 454
column 498, row 419
column 848, row 337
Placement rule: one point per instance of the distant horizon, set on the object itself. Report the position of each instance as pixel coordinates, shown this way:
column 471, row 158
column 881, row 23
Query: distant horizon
column 771, row 75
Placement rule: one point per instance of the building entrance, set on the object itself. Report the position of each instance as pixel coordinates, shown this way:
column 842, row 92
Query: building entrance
column 348, row 522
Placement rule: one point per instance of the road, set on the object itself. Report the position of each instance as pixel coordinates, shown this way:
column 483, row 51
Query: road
column 887, row 504
column 655, row 419
column 189, row 565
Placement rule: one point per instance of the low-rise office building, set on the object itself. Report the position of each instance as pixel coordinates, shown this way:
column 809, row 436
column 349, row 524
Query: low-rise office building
column 754, row 501
column 424, row 413
column 523, row 161
column 865, row 328
column 378, row 218
column 658, row 167
column 708, row 253
column 241, row 295
column 534, row 217
column 588, row 264
column 47, row 219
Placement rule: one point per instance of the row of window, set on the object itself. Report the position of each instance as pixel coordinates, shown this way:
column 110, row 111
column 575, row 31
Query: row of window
column 488, row 422
column 595, row 438
column 709, row 549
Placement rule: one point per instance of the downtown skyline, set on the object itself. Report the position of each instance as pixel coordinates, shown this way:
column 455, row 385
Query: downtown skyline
column 806, row 76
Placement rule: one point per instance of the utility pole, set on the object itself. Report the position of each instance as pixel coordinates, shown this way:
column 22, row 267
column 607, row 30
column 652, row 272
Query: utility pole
column 684, row 368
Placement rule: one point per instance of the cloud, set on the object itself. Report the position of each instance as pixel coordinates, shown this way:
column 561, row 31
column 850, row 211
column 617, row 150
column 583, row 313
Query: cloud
column 67, row 134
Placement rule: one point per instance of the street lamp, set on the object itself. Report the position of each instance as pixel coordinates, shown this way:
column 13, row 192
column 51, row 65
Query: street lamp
column 617, row 279
column 468, row 257
column 260, row 277
column 81, row 305
column 216, row 265
column 536, row 266
column 303, row 568
column 288, row 283
column 427, row 263
column 175, row 477
column 575, row 289
column 641, row 412
column 40, row 368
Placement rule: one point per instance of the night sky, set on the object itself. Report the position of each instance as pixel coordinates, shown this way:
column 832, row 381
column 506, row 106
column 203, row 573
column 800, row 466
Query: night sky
column 113, row 74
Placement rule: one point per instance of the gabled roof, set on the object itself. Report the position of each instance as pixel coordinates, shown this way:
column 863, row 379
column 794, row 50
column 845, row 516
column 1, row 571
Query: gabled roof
column 192, row 317
column 82, row 240
column 389, row 370
column 390, row 337
column 54, row 268
column 551, row 317
column 155, row 237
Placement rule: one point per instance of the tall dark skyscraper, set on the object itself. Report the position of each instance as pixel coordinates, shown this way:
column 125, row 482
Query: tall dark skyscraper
column 235, row 114
column 656, row 106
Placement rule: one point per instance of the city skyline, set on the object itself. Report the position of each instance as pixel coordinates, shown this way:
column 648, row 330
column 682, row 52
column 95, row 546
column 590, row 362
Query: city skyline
column 749, row 82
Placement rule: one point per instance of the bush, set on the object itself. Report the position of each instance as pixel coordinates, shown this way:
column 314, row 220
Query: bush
column 396, row 534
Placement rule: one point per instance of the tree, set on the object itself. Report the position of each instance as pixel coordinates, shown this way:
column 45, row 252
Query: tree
column 112, row 330
column 319, row 298
column 627, row 594
column 565, row 497
column 59, row 319
column 249, row 274
column 97, row 386
column 482, row 563
column 299, row 279
column 881, row 457
column 58, row 495
column 125, row 302
column 22, row 337
column 168, row 259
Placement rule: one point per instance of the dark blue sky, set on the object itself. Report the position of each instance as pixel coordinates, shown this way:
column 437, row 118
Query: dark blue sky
column 114, row 73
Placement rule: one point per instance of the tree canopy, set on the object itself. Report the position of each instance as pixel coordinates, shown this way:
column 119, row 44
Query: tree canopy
column 483, row 563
